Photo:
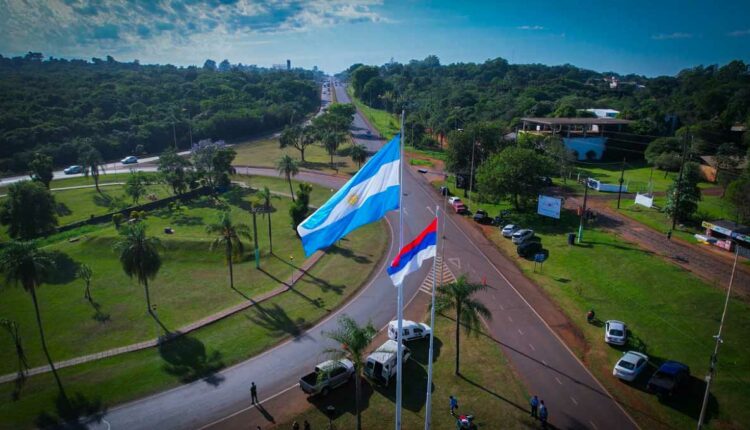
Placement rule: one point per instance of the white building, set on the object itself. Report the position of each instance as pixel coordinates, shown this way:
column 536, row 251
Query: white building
column 604, row 113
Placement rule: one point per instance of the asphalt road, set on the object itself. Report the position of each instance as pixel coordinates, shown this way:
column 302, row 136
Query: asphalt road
column 547, row 367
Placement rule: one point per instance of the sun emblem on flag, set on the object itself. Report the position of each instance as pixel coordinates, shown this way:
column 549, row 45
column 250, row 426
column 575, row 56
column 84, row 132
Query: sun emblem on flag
column 353, row 199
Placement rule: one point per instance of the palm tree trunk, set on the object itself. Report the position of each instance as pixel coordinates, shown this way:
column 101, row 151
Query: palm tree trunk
column 229, row 262
column 302, row 154
column 291, row 190
column 44, row 343
column 96, row 182
column 88, row 291
column 148, row 296
column 331, row 159
column 357, row 394
column 270, row 238
column 458, row 344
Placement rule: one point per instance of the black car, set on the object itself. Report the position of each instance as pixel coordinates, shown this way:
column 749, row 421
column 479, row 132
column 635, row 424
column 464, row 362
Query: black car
column 668, row 378
column 482, row 217
column 529, row 249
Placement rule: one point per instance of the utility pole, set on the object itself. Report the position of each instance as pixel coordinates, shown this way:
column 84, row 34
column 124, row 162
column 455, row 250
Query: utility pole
column 622, row 178
column 255, row 239
column 583, row 211
column 719, row 341
column 471, row 174
column 676, row 209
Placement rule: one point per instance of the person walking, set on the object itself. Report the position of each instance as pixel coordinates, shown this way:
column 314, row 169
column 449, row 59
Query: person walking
column 306, row 426
column 669, row 235
column 453, row 403
column 543, row 414
column 534, row 402
column 254, row 393
column 295, row 426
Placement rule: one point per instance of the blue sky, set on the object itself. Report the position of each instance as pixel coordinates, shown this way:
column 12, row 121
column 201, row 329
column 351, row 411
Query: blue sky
column 650, row 38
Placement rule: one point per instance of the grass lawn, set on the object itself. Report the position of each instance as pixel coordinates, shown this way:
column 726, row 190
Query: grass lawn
column 671, row 315
column 105, row 383
column 190, row 274
column 386, row 124
column 266, row 152
column 487, row 389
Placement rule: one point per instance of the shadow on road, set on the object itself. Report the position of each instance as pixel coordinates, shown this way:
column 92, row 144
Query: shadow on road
column 186, row 358
column 74, row 412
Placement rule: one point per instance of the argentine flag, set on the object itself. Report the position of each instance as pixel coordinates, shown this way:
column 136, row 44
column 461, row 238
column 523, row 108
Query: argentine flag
column 372, row 192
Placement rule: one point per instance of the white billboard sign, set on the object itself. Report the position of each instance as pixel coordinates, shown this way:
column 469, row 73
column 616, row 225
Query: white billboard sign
column 644, row 200
column 549, row 206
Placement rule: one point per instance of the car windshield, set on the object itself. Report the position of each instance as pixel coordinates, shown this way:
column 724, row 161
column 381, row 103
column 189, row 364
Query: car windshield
column 626, row 365
column 615, row 332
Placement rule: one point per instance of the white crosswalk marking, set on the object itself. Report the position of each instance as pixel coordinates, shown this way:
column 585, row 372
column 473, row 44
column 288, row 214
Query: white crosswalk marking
column 444, row 274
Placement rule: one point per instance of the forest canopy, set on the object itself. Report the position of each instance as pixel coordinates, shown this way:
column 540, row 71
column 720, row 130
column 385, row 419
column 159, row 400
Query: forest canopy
column 51, row 105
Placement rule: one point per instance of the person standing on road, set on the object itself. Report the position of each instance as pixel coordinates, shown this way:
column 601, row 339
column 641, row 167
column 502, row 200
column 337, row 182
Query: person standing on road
column 453, row 403
column 295, row 426
column 669, row 235
column 306, row 426
column 534, row 402
column 254, row 393
column 543, row 414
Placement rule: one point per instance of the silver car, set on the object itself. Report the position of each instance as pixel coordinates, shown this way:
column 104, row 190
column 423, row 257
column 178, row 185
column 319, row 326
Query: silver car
column 615, row 332
column 630, row 366
column 522, row 236
column 509, row 229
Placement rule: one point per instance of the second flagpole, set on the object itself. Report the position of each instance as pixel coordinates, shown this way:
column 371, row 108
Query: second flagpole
column 400, row 304
column 428, row 408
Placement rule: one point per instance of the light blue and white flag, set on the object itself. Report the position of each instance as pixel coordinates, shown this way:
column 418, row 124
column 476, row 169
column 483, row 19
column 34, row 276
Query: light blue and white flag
column 372, row 192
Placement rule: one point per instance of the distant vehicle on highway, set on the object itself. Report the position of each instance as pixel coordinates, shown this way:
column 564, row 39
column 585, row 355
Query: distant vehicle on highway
column 72, row 170
column 411, row 330
column 132, row 159
column 615, row 332
column 670, row 376
column 327, row 376
column 421, row 170
column 630, row 366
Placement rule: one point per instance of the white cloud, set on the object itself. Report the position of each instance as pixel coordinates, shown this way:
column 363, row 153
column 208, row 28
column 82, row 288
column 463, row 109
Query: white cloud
column 739, row 33
column 530, row 27
column 669, row 36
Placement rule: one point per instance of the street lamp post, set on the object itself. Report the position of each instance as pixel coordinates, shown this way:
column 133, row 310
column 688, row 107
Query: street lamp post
column 291, row 263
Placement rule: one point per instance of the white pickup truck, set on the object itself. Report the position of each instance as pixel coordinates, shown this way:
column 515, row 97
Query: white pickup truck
column 381, row 364
column 327, row 376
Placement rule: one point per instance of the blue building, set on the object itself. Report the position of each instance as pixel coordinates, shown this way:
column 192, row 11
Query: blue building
column 584, row 136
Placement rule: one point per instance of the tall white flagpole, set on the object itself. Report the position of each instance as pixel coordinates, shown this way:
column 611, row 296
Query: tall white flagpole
column 428, row 409
column 400, row 304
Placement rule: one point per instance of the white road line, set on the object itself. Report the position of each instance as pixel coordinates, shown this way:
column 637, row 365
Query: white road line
column 510, row 319
column 558, row 380
column 593, row 425
column 532, row 347
column 249, row 407
column 502, row 308
column 431, row 210
column 573, row 399
column 520, row 332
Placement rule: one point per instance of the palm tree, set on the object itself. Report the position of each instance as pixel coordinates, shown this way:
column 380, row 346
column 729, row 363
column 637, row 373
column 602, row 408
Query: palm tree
column 358, row 154
column 354, row 339
column 264, row 197
column 331, row 142
column 23, row 263
column 139, row 256
column 84, row 272
column 93, row 164
column 288, row 167
column 229, row 235
column 458, row 296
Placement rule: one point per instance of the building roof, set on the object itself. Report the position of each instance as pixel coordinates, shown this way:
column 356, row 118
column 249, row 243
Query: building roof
column 711, row 161
column 731, row 225
column 577, row 121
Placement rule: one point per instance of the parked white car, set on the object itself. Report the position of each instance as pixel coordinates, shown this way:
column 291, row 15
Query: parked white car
column 615, row 332
column 411, row 330
column 453, row 199
column 509, row 229
column 630, row 366
column 522, row 236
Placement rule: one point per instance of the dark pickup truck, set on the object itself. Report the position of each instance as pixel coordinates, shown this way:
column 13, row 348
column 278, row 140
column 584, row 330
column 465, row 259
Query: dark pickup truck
column 668, row 378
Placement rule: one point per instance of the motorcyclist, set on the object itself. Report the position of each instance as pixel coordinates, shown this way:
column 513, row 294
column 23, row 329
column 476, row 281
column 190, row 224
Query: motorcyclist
column 590, row 316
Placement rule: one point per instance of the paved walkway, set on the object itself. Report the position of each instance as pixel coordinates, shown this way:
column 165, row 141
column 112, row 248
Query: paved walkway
column 705, row 263
column 285, row 286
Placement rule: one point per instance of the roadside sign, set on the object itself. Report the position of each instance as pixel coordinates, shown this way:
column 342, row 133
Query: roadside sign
column 539, row 258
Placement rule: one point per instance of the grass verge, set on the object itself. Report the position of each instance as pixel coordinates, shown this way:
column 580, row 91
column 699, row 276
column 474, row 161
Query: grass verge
column 385, row 123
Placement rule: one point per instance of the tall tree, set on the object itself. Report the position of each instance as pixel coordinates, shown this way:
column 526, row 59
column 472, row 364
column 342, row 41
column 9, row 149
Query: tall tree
column 23, row 363
column 301, row 207
column 25, row 264
column 353, row 340
column 41, row 168
column 737, row 193
column 93, row 164
column 297, row 137
column 229, row 235
column 331, row 142
column 515, row 173
column 213, row 161
column 139, row 256
column 85, row 273
column 135, row 186
column 683, row 196
column 358, row 154
column 561, row 156
column 458, row 296
column 288, row 167
column 28, row 210
column 174, row 171
column 264, row 197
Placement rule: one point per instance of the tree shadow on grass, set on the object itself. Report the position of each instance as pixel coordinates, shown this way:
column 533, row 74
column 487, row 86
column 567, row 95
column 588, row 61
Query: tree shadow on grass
column 349, row 254
column 186, row 358
column 99, row 316
column 75, row 412
column 183, row 219
column 275, row 319
column 61, row 209
column 494, row 394
column 420, row 350
column 324, row 285
column 64, row 269
column 317, row 302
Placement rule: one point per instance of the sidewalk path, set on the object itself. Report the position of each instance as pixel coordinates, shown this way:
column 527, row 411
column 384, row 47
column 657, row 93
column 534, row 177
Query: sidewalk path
column 285, row 286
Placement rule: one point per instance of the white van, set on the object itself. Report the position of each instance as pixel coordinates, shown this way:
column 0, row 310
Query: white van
column 411, row 330
column 381, row 364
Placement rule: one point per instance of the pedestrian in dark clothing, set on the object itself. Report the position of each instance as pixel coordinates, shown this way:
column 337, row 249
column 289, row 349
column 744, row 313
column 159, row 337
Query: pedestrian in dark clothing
column 254, row 393
column 453, row 403
column 295, row 426
column 306, row 426
column 669, row 235
column 534, row 402
column 543, row 414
